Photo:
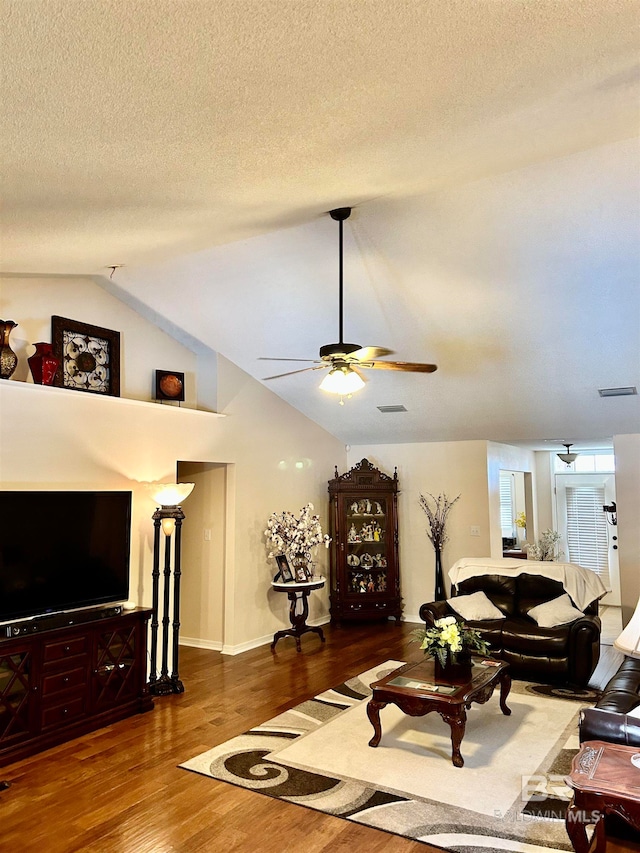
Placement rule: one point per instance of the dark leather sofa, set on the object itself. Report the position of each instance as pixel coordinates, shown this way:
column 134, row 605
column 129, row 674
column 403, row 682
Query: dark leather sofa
column 567, row 654
column 609, row 719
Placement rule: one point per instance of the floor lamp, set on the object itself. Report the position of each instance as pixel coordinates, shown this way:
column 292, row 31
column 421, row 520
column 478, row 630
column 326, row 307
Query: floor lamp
column 167, row 518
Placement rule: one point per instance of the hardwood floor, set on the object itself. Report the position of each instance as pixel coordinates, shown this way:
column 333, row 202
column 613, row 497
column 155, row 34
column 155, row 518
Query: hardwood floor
column 119, row 790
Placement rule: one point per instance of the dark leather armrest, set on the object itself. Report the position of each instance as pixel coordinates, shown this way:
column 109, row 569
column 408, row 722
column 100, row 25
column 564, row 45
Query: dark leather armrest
column 434, row 610
column 609, row 726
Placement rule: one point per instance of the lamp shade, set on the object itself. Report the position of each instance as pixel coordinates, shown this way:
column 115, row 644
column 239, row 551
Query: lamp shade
column 629, row 641
column 170, row 494
column 567, row 457
column 341, row 380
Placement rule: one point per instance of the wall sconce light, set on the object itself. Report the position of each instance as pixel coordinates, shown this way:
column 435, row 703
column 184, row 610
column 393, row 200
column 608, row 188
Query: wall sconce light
column 168, row 517
column 611, row 513
column 567, row 457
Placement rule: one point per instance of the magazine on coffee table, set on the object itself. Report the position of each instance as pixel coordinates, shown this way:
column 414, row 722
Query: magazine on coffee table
column 415, row 684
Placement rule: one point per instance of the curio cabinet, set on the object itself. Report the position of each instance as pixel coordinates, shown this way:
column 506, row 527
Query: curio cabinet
column 365, row 578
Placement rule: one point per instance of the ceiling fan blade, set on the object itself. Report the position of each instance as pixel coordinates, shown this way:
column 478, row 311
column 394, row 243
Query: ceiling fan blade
column 370, row 353
column 291, row 372
column 355, row 369
column 406, row 366
column 266, row 358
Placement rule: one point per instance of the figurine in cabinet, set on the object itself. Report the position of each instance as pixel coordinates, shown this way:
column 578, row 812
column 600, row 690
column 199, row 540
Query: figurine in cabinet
column 367, row 492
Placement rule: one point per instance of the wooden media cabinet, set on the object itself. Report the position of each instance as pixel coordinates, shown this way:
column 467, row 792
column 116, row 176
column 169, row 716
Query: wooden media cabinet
column 57, row 683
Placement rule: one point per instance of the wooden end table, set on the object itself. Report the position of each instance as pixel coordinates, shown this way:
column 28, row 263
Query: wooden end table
column 417, row 691
column 604, row 781
column 298, row 610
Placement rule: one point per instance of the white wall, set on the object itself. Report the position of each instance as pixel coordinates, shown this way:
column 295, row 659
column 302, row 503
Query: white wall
column 57, row 438
column 455, row 467
column 31, row 301
column 627, row 455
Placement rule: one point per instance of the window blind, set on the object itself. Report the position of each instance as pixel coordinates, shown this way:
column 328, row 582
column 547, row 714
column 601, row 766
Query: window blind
column 587, row 540
column 507, row 505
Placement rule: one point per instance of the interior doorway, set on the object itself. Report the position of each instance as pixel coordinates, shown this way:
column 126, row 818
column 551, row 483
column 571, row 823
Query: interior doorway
column 204, row 554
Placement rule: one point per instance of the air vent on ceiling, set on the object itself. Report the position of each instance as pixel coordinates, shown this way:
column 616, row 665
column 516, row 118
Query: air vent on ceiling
column 618, row 392
column 387, row 410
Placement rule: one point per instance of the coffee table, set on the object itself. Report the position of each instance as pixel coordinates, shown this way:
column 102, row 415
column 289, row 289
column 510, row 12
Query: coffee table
column 417, row 690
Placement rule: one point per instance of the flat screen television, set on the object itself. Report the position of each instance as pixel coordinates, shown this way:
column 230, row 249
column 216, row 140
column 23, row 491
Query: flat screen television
column 62, row 551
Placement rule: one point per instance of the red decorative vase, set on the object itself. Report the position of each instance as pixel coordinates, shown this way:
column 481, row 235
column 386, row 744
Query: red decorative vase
column 43, row 364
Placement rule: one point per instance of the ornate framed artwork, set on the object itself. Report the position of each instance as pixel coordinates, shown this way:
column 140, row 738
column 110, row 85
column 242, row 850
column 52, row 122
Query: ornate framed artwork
column 89, row 357
column 169, row 385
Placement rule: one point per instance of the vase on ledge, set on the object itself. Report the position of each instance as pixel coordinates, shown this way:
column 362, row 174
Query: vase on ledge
column 43, row 364
column 8, row 358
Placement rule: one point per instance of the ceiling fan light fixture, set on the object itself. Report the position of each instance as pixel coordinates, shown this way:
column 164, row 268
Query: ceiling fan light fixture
column 341, row 380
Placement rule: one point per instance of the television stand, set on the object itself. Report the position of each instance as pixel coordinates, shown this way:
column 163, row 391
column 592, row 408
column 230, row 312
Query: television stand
column 61, row 682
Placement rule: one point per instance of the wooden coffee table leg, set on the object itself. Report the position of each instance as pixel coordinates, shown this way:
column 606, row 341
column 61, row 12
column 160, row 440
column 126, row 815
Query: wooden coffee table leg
column 505, row 687
column 457, row 724
column 576, row 829
column 373, row 712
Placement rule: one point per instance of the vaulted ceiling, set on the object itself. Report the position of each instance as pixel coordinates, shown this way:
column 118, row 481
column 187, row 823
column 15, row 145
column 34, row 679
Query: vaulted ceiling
column 489, row 151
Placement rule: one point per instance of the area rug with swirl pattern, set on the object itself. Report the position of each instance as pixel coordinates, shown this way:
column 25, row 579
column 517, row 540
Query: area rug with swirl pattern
column 509, row 796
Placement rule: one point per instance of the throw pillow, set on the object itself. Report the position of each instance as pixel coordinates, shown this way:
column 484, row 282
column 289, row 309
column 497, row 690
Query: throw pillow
column 558, row 611
column 475, row 607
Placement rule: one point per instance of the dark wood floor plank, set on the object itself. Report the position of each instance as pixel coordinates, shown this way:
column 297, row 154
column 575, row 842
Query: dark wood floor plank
column 120, row 790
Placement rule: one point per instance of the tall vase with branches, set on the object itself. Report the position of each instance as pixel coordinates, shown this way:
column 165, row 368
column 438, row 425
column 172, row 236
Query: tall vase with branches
column 437, row 510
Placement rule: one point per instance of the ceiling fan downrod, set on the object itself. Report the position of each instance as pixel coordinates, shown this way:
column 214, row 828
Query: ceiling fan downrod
column 340, row 348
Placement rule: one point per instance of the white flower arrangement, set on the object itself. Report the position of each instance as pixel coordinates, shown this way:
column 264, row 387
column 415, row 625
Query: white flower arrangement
column 295, row 536
column 546, row 548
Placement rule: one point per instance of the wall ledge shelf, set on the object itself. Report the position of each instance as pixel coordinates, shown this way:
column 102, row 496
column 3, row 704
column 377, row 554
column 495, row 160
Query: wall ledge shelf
column 31, row 388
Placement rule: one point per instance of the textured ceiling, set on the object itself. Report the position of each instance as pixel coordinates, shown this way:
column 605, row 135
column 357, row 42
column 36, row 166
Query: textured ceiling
column 485, row 145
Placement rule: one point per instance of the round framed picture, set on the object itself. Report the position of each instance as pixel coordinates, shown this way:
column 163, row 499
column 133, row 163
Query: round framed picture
column 169, row 385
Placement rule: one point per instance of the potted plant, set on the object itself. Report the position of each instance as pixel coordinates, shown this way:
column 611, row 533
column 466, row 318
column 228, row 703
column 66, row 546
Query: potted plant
column 437, row 511
column 296, row 536
column 450, row 643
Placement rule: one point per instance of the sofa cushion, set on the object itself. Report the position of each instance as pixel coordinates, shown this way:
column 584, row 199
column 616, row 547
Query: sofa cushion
column 535, row 589
column 490, row 631
column 559, row 611
column 527, row 638
column 476, row 607
column 499, row 589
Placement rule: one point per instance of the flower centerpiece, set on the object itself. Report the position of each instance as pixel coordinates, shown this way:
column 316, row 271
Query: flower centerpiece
column 296, row 537
column 449, row 641
column 546, row 548
column 437, row 511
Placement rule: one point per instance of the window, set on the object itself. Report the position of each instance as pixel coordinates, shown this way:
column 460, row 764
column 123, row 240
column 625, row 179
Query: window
column 507, row 505
column 587, row 463
column 587, row 540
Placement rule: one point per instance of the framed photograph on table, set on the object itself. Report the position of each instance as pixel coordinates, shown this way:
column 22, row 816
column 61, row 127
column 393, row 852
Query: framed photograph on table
column 89, row 357
column 284, row 570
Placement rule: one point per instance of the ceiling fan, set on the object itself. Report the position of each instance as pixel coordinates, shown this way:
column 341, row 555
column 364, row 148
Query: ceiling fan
column 345, row 361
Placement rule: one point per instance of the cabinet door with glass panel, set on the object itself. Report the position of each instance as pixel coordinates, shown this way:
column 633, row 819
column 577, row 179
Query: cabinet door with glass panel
column 365, row 579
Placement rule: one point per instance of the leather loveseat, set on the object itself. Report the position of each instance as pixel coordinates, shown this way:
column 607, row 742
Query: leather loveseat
column 565, row 654
column 610, row 720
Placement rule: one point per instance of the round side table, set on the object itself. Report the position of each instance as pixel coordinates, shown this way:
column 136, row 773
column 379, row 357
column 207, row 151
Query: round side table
column 298, row 610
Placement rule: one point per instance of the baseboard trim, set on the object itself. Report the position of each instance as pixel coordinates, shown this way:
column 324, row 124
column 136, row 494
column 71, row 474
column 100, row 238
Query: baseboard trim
column 238, row 649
